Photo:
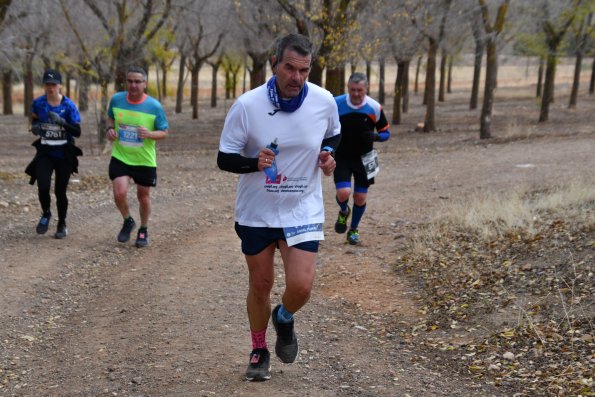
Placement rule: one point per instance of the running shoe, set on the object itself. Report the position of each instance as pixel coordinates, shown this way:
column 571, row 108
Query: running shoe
column 142, row 238
column 127, row 228
column 286, row 346
column 62, row 231
column 259, row 368
column 341, row 224
column 44, row 222
column 353, row 237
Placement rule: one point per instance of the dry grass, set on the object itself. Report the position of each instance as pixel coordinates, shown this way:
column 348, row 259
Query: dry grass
column 494, row 215
column 516, row 271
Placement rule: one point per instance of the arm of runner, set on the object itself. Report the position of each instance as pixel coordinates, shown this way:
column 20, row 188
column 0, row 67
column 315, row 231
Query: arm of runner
column 236, row 163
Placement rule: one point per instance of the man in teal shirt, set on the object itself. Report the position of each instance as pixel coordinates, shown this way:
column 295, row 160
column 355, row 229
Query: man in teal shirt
column 135, row 122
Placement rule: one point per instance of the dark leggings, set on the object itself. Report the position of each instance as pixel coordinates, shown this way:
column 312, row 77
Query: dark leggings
column 45, row 166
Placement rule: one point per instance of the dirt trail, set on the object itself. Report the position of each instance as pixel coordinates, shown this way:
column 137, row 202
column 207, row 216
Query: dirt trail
column 87, row 316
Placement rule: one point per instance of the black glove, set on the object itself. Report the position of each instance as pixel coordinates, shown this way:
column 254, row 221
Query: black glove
column 36, row 129
column 56, row 119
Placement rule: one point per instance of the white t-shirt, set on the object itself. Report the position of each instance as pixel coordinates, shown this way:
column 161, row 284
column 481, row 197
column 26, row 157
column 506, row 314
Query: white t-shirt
column 295, row 198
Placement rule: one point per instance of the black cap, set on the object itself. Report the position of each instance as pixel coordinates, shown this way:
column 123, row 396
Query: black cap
column 52, row 76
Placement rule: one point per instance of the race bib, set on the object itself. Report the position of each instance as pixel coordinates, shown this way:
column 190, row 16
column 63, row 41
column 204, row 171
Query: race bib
column 371, row 164
column 299, row 234
column 52, row 134
column 129, row 135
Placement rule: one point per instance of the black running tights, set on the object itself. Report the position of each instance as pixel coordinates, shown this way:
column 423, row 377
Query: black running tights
column 45, row 166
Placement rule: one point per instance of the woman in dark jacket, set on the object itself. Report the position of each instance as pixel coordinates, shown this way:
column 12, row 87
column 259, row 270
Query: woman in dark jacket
column 56, row 120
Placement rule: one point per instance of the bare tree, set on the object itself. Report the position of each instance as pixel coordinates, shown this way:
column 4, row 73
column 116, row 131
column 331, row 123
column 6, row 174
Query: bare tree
column 430, row 18
column 260, row 25
column 557, row 19
column 335, row 21
column 492, row 30
column 582, row 31
column 128, row 26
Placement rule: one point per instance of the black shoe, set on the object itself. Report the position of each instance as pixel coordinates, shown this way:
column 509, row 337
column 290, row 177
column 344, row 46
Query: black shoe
column 286, row 346
column 142, row 238
column 44, row 223
column 259, row 368
column 62, row 231
column 127, row 228
column 341, row 223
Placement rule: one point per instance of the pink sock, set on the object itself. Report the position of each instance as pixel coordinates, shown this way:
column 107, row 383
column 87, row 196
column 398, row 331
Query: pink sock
column 259, row 339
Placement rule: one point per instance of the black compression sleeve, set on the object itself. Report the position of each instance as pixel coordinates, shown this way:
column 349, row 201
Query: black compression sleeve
column 236, row 163
column 332, row 142
column 73, row 129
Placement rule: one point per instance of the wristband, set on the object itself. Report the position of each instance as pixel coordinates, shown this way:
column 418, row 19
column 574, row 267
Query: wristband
column 328, row 149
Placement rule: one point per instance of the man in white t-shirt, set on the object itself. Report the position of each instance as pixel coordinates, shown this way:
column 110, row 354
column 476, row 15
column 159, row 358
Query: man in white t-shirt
column 291, row 126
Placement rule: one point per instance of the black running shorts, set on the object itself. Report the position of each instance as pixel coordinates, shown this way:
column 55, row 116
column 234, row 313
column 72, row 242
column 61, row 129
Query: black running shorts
column 141, row 175
column 346, row 167
column 255, row 239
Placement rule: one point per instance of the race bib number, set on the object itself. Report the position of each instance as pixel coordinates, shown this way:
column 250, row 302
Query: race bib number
column 129, row 135
column 299, row 234
column 52, row 135
column 371, row 164
column 53, row 132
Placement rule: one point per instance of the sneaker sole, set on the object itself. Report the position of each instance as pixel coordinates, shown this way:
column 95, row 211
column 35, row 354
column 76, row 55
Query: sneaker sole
column 259, row 378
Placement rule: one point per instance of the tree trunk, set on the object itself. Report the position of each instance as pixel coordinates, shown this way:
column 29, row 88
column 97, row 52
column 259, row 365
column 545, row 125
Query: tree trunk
column 258, row 72
column 67, row 81
column 449, row 74
column 83, row 88
column 442, row 89
column 159, row 92
column 576, row 80
column 244, row 75
column 485, row 129
column 28, row 80
column 416, row 86
column 430, row 122
column 398, row 93
column 479, row 47
column 369, row 71
column 215, row 69
column 7, row 92
column 335, row 80
column 194, row 91
column 164, row 69
column 381, row 71
column 180, row 88
column 592, row 83
column 315, row 76
column 540, row 78
column 548, row 86
column 103, row 115
column 405, row 86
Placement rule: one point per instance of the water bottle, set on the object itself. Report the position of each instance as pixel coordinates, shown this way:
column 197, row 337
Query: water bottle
column 271, row 172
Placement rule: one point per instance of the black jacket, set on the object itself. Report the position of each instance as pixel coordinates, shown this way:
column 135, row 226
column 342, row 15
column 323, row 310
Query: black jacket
column 71, row 153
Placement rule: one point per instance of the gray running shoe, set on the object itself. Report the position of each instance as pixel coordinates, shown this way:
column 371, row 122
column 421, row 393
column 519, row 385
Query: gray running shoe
column 259, row 368
column 142, row 238
column 286, row 346
column 127, row 228
column 62, row 231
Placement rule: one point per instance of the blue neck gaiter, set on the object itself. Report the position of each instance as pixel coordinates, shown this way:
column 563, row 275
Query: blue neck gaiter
column 286, row 105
